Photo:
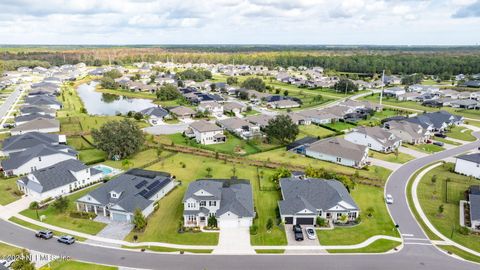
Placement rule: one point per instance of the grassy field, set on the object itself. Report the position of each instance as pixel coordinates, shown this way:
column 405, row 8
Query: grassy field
column 432, row 195
column 466, row 135
column 73, row 265
column 314, row 131
column 7, row 190
column 376, row 119
column 462, row 254
column 379, row 246
column 391, row 157
column 137, row 160
column 425, row 148
column 7, row 250
column 53, row 217
column 283, row 156
column 380, row 223
column 340, row 126
column 91, row 155
column 165, row 221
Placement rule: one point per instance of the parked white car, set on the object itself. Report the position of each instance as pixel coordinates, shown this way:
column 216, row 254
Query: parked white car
column 6, row 263
column 311, row 233
column 389, row 199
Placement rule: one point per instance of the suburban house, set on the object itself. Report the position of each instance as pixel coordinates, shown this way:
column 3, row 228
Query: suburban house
column 240, row 127
column 394, row 92
column 59, row 179
column 45, row 101
column 27, row 110
column 319, row 116
column 35, row 158
column 205, row 132
column 283, row 104
column 22, row 119
column 230, row 201
column 121, row 196
column 182, row 112
column 436, row 121
column 212, row 107
column 408, row 132
column 155, row 114
column 25, row 141
column 474, row 204
column 260, row 120
column 40, row 124
column 375, row 138
column 234, row 107
column 338, row 150
column 468, row 165
column 305, row 200
column 299, row 119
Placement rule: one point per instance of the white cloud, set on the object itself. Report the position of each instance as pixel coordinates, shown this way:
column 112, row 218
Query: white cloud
column 238, row 21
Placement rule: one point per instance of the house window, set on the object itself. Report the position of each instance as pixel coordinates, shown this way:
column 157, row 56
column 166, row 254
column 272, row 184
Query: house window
column 369, row 145
column 339, row 159
column 39, row 158
column 339, row 215
column 203, row 203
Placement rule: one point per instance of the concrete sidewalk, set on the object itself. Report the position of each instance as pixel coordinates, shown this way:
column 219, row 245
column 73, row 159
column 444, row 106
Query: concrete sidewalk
column 411, row 152
column 385, row 164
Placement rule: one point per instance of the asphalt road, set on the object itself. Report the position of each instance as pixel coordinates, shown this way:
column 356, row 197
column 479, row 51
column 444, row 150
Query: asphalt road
column 416, row 254
column 5, row 107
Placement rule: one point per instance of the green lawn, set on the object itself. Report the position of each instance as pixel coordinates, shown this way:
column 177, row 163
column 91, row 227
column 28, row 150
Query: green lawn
column 90, row 156
column 432, row 195
column 163, row 223
column 391, row 157
column 466, row 135
column 74, row 265
column 166, row 249
column 379, row 246
column 233, row 145
column 64, row 220
column 283, row 156
column 269, row 251
column 461, row 253
column 447, row 141
column 314, row 131
column 340, row 126
column 78, row 143
column 380, row 223
column 376, row 119
column 8, row 188
column 425, row 148
column 7, row 250
column 37, row 228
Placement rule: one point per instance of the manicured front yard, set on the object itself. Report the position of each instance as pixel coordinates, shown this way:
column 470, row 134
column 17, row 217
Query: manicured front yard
column 314, row 131
column 283, row 156
column 425, row 148
column 73, row 265
column 432, row 195
column 164, row 223
column 461, row 133
column 53, row 217
column 8, row 191
column 7, row 250
column 379, row 224
column 391, row 157
column 379, row 246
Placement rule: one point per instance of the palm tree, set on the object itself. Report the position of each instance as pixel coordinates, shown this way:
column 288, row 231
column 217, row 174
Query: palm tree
column 209, row 171
column 35, row 206
column 126, row 163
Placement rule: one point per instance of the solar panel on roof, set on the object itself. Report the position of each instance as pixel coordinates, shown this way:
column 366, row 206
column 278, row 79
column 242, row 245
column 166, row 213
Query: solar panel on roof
column 141, row 184
column 153, row 184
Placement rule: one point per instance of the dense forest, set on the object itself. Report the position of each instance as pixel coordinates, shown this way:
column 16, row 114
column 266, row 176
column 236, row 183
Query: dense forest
column 403, row 60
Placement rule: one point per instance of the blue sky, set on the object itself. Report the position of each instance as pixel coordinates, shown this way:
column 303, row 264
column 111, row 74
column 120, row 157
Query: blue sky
column 382, row 22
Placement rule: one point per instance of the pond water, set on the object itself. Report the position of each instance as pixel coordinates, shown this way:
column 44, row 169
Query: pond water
column 98, row 103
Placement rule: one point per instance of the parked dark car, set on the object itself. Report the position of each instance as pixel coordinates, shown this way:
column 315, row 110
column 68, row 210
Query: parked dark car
column 297, row 230
column 440, row 135
column 438, row 143
column 44, row 234
column 66, row 239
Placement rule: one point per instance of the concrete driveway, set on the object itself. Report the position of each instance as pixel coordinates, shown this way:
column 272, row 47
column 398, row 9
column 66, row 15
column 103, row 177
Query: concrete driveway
column 113, row 230
column 163, row 129
column 291, row 237
column 234, row 241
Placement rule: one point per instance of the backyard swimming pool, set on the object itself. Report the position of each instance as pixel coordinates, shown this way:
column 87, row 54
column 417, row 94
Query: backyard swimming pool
column 106, row 170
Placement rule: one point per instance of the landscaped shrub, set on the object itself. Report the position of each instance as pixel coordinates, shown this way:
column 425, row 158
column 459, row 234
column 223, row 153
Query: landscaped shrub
column 464, row 230
column 253, row 229
column 82, row 215
column 321, row 222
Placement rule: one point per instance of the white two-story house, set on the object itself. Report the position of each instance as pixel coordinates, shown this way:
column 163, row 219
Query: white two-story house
column 230, row 201
column 213, row 107
column 375, row 138
column 205, row 132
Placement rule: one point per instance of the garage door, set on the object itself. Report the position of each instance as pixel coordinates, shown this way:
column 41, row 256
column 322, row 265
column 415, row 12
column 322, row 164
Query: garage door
column 228, row 222
column 305, row 221
column 119, row 217
column 288, row 220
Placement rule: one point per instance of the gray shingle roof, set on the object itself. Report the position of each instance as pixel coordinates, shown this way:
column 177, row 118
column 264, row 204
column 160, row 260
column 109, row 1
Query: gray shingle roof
column 136, row 187
column 29, row 140
column 30, row 117
column 42, row 100
column 471, row 157
column 18, row 159
column 474, row 206
column 339, row 147
column 155, row 111
column 36, row 124
column 55, row 176
column 312, row 194
column 435, row 119
column 204, row 126
column 235, row 195
column 36, row 109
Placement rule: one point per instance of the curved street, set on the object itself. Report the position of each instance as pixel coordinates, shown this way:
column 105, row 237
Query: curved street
column 417, row 253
